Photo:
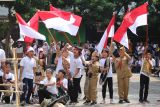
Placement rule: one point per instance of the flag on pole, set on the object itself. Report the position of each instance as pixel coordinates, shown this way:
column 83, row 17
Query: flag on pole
column 27, row 30
column 61, row 20
column 137, row 17
column 75, row 26
column 109, row 32
column 33, row 23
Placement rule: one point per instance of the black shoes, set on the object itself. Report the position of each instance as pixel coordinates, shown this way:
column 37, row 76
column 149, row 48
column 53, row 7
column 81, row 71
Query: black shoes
column 87, row 102
column 120, row 101
column 93, row 103
column 127, row 101
column 146, row 101
column 140, row 100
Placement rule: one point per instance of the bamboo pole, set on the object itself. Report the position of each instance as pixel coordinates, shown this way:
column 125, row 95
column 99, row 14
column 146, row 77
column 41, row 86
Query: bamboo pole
column 9, row 91
column 10, row 59
column 7, row 84
column 16, row 79
column 67, row 38
column 78, row 39
column 51, row 35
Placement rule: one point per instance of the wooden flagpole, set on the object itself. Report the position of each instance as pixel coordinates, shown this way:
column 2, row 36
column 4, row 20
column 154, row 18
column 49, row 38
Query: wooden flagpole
column 78, row 39
column 66, row 37
column 51, row 35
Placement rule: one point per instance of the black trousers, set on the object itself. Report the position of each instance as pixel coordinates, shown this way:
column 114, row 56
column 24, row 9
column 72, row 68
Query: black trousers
column 75, row 89
column 44, row 94
column 79, row 90
column 144, row 86
column 27, row 87
column 108, row 81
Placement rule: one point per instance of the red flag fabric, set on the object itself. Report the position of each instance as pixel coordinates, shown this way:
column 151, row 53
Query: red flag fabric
column 137, row 17
column 33, row 23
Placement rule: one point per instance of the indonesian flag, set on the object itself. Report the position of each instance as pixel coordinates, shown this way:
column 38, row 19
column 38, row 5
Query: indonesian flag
column 137, row 17
column 33, row 23
column 27, row 30
column 109, row 32
column 61, row 20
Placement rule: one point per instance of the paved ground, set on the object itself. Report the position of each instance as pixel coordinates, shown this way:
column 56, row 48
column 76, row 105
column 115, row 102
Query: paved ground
column 154, row 95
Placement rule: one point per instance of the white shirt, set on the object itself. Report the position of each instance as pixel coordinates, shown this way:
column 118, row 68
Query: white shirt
column 2, row 56
column 8, row 76
column 102, row 62
column 28, row 64
column 52, row 89
column 59, row 65
column 74, row 64
column 65, row 83
column 1, row 73
column 153, row 62
column 45, row 49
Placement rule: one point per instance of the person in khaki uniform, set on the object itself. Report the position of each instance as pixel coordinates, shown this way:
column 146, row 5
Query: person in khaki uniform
column 93, row 79
column 123, row 74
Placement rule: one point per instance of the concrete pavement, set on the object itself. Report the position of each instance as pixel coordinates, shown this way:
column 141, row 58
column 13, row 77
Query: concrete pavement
column 154, row 95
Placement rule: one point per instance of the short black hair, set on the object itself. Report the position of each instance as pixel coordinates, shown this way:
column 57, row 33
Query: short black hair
column 62, row 71
column 8, row 63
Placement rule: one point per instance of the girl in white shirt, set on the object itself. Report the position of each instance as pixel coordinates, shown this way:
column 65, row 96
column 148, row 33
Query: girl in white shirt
column 50, row 87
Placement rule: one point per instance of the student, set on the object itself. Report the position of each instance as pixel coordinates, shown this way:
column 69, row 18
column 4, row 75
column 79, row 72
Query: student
column 144, row 78
column 27, row 73
column 75, row 70
column 62, row 82
column 106, row 75
column 49, row 89
column 8, row 78
column 123, row 74
column 91, row 96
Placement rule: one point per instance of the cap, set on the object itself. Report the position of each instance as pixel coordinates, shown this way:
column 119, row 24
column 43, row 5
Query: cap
column 30, row 49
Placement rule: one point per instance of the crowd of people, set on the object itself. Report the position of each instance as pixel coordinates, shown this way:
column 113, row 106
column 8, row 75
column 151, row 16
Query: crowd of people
column 60, row 67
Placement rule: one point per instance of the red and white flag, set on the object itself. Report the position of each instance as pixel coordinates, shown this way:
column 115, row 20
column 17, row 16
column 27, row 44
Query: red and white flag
column 61, row 20
column 33, row 23
column 27, row 30
column 109, row 32
column 137, row 17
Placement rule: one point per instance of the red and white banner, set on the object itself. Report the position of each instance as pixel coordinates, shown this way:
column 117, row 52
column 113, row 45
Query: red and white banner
column 61, row 20
column 33, row 23
column 27, row 30
column 137, row 17
column 109, row 32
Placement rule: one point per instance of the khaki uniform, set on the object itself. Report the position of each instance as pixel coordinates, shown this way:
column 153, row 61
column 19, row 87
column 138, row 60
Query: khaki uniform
column 92, row 89
column 123, row 74
column 86, row 86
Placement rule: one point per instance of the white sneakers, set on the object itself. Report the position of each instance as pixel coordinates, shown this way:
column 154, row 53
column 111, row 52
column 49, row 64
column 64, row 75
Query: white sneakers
column 112, row 101
column 104, row 102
